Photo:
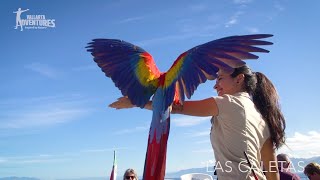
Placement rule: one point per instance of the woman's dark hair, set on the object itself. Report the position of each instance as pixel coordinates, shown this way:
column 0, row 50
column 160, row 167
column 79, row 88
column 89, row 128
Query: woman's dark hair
column 266, row 100
column 311, row 169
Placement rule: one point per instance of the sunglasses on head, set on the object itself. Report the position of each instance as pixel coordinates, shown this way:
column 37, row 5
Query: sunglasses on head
column 128, row 177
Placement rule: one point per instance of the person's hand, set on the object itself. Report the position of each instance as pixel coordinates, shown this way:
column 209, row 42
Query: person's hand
column 176, row 108
column 122, row 103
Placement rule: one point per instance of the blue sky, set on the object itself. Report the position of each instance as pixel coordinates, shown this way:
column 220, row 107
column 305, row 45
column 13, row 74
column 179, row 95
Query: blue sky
column 54, row 119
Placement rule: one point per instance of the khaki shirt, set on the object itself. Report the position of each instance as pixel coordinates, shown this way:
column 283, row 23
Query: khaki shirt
column 238, row 128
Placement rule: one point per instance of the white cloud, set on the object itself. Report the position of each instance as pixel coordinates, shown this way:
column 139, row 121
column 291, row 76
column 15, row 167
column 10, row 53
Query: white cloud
column 203, row 151
column 3, row 160
column 131, row 19
column 132, row 130
column 253, row 30
column 53, row 158
column 188, row 29
column 189, row 121
column 302, row 145
column 233, row 19
column 85, row 68
column 74, row 99
column 187, row 32
column 42, row 117
column 242, row 1
column 41, row 111
column 199, row 133
column 207, row 141
column 279, row 7
column 43, row 69
column 35, row 159
column 165, row 39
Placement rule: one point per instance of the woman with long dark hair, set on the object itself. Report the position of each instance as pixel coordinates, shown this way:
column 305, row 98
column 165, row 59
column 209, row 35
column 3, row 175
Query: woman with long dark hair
column 247, row 124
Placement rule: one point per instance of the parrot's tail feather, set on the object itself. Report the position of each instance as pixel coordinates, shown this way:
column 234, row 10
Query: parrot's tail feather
column 155, row 163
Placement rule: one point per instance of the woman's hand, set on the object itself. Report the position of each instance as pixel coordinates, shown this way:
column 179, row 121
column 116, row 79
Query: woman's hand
column 176, row 108
column 122, row 103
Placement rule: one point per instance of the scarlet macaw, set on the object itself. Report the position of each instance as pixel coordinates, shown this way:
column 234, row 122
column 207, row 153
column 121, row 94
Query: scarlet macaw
column 134, row 72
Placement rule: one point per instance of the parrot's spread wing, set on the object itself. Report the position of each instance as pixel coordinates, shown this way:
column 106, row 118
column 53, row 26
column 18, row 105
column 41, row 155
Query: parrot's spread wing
column 131, row 68
column 203, row 62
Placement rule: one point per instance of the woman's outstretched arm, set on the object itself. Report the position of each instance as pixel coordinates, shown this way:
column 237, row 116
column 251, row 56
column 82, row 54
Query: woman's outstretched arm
column 205, row 107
